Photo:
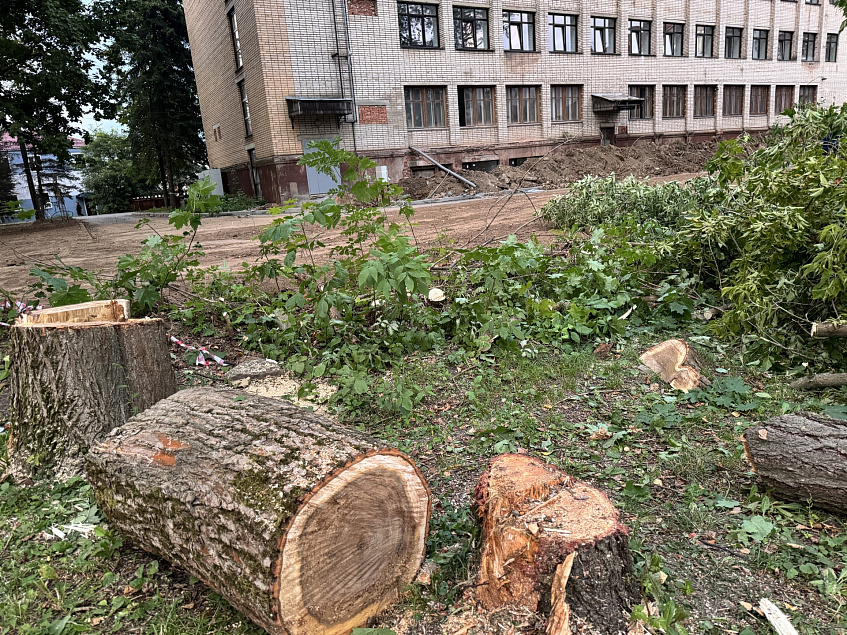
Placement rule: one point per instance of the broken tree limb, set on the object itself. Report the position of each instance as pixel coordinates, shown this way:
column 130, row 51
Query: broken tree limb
column 304, row 526
column 677, row 363
column 820, row 381
column 555, row 545
column 72, row 382
column 801, row 457
column 823, row 330
column 445, row 168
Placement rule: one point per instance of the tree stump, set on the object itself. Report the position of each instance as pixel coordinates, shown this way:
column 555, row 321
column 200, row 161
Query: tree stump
column 71, row 383
column 801, row 457
column 555, row 545
column 304, row 526
column 676, row 363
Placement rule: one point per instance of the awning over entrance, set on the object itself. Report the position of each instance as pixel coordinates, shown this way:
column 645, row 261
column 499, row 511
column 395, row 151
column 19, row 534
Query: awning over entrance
column 614, row 102
column 302, row 106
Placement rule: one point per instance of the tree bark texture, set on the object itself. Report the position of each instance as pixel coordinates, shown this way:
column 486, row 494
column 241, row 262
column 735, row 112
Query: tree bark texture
column 823, row 330
column 304, row 526
column 820, row 381
column 37, row 205
column 676, row 362
column 554, row 545
column 802, row 457
column 72, row 383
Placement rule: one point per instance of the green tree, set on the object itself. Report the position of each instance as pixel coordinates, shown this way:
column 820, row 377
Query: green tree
column 150, row 65
column 109, row 174
column 46, row 80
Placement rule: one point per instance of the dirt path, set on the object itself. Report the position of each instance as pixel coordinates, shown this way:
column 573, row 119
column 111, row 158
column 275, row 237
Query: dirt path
column 97, row 245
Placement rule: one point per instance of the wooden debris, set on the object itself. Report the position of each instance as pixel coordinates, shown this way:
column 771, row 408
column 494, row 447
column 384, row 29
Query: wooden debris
column 823, row 330
column 780, row 622
column 677, row 363
column 98, row 311
column 820, row 381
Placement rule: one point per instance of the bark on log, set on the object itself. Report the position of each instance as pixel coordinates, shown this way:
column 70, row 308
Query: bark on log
column 676, row 362
column 801, row 457
column 820, row 381
column 72, row 383
column 305, row 527
column 823, row 330
column 555, row 545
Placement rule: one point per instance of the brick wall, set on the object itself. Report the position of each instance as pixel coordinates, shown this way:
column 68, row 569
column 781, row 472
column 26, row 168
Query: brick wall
column 373, row 114
column 361, row 7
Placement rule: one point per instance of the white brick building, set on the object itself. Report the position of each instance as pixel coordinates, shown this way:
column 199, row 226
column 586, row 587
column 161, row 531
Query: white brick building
column 478, row 81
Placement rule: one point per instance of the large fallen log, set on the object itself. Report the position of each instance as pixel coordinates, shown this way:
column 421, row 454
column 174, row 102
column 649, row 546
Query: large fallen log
column 820, row 381
column 555, row 545
column 823, row 330
column 305, row 527
column 801, row 457
column 676, row 362
column 72, row 382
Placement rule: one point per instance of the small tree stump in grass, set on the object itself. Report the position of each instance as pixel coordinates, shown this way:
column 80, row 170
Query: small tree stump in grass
column 554, row 545
column 304, row 526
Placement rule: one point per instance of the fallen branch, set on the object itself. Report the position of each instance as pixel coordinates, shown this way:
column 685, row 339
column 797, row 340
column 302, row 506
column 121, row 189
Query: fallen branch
column 820, row 381
column 823, row 330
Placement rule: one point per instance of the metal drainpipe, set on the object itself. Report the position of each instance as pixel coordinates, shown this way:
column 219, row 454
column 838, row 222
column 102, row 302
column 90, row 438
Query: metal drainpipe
column 350, row 72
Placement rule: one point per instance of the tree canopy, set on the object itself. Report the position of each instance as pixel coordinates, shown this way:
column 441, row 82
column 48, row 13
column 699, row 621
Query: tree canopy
column 109, row 175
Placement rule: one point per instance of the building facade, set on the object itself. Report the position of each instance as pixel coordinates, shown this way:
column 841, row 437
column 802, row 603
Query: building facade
column 481, row 82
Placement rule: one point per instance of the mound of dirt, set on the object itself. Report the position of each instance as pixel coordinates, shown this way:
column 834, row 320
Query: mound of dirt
column 567, row 165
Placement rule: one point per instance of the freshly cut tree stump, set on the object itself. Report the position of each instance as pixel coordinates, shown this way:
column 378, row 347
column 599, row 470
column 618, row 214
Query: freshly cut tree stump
column 98, row 311
column 555, row 545
column 73, row 382
column 305, row 527
column 802, row 457
column 676, row 363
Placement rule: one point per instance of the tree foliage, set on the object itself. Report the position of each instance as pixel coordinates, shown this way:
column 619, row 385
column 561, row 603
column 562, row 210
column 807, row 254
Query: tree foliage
column 109, row 175
column 149, row 63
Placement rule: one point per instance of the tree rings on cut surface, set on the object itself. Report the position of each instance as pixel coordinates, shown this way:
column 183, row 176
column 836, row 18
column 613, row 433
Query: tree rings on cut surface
column 676, row 362
column 553, row 544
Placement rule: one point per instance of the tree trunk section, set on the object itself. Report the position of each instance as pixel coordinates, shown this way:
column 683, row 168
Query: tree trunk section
column 304, row 526
column 823, row 330
column 97, row 311
column 554, row 545
column 36, row 198
column 820, row 381
column 676, row 362
column 74, row 382
column 801, row 457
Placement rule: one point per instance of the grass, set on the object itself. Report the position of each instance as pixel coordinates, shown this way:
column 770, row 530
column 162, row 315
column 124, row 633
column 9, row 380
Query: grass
column 703, row 536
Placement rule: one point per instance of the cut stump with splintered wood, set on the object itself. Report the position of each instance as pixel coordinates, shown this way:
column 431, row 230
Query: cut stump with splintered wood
column 555, row 545
column 677, row 363
column 72, row 382
column 304, row 526
column 801, row 457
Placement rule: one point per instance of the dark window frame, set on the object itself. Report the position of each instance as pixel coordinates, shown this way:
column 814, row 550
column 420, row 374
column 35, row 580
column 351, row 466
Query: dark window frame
column 785, row 41
column 703, row 37
column 461, row 20
column 674, row 101
column 408, row 30
column 733, row 43
column 810, row 47
column 705, row 101
column 807, row 94
column 245, row 107
column 563, row 93
column 604, row 27
column 427, row 103
column 236, row 40
column 639, row 31
column 646, row 110
column 569, row 28
column 733, row 100
column 758, row 106
column 673, row 39
column 781, row 103
column 519, row 100
column 760, row 44
column 832, row 47
column 473, row 100
column 525, row 25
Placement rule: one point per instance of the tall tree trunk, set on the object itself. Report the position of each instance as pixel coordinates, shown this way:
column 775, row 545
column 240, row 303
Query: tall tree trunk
column 162, row 178
column 42, row 199
column 171, row 183
column 36, row 199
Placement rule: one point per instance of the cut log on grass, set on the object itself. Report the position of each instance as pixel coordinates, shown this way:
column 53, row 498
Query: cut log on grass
column 823, row 330
column 801, row 457
column 820, row 381
column 555, row 545
column 304, row 526
column 676, row 362
column 71, row 383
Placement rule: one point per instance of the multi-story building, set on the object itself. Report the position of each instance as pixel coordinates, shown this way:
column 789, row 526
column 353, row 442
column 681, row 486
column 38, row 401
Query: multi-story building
column 473, row 82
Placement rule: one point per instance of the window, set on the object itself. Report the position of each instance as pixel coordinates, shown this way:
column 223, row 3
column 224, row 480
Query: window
column 471, row 28
column 760, row 44
column 639, row 37
column 733, row 43
column 424, row 107
column 704, row 45
column 236, row 41
column 603, row 35
column 523, row 104
column 566, row 103
column 809, row 44
column 645, row 109
column 518, row 31
column 832, row 47
column 704, row 101
column 673, row 101
column 808, row 95
column 733, row 101
column 785, row 47
column 476, row 106
column 813, row 1
column 673, row 39
column 759, row 98
column 562, row 33
column 783, row 99
column 418, row 25
column 254, row 174
column 245, row 108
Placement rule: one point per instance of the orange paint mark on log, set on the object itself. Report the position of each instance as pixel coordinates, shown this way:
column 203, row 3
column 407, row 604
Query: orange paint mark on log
column 164, row 459
column 170, row 444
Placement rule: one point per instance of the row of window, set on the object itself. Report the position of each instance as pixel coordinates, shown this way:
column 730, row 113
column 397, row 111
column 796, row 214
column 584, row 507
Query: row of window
column 426, row 105
column 418, row 24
